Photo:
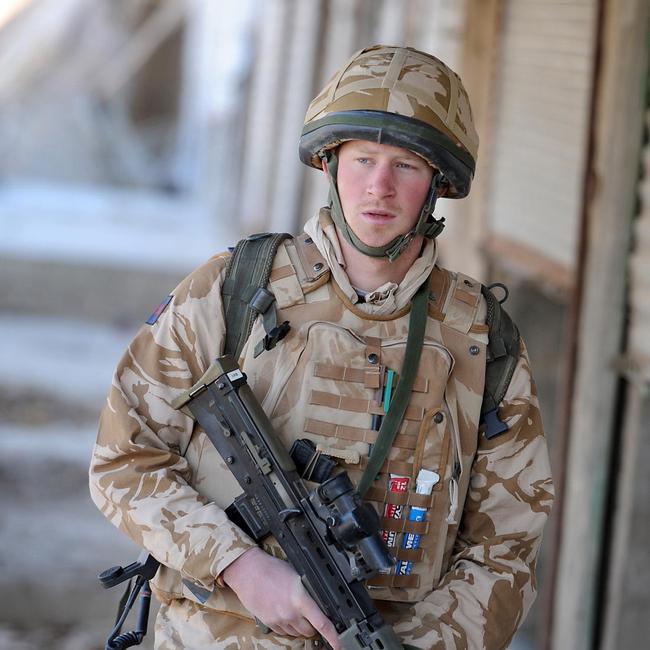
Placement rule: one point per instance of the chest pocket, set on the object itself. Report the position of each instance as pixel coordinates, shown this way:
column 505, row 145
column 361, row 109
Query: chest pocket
column 334, row 392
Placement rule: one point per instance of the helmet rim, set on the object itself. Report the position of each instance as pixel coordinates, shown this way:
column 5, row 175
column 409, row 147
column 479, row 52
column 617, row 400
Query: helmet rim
column 382, row 127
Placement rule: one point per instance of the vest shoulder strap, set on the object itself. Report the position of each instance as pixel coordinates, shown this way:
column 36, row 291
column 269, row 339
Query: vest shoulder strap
column 245, row 294
column 299, row 269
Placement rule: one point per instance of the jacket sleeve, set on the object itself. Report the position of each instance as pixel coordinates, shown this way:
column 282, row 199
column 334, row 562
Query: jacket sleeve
column 490, row 585
column 139, row 477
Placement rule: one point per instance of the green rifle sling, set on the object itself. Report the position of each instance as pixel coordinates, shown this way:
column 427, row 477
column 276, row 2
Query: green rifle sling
column 393, row 419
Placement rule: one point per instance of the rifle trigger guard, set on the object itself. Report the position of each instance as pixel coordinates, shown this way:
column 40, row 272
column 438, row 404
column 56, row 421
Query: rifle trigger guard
column 289, row 513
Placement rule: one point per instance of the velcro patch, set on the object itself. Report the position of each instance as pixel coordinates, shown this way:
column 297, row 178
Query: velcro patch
column 159, row 310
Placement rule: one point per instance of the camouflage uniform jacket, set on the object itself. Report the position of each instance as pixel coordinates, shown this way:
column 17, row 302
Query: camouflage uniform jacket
column 156, row 476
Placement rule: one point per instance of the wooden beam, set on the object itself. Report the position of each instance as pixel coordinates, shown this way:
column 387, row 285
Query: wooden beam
column 141, row 45
column 617, row 136
column 630, row 478
column 530, row 264
column 632, row 481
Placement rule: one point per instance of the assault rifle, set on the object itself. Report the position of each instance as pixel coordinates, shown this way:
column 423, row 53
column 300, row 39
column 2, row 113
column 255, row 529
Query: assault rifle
column 328, row 534
column 330, row 537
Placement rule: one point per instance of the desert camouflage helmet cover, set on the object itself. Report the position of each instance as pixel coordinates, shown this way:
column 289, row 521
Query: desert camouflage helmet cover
column 398, row 96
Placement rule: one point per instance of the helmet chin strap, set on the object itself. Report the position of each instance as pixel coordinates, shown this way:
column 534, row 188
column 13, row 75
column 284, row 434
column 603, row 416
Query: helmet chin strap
column 426, row 225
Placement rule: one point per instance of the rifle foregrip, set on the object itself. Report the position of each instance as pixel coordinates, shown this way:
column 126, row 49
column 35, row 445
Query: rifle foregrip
column 384, row 638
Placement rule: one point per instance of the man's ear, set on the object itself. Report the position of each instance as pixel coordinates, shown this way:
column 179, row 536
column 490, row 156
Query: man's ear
column 325, row 167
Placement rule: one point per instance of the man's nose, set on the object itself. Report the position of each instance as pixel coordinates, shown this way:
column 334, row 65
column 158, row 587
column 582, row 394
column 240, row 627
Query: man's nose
column 382, row 182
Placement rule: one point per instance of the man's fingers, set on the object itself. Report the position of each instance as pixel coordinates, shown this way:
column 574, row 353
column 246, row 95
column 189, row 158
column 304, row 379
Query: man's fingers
column 301, row 627
column 298, row 628
column 321, row 623
column 273, row 592
column 328, row 632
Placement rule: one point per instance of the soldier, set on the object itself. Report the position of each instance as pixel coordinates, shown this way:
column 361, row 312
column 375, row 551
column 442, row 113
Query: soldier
column 393, row 132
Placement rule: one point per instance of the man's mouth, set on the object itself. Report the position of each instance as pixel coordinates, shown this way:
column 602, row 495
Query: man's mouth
column 378, row 216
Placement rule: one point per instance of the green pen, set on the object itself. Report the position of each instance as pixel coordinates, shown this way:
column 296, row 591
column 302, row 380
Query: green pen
column 387, row 394
column 388, row 389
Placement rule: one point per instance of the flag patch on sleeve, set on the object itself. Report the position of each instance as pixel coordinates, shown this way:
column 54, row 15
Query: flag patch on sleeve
column 159, row 310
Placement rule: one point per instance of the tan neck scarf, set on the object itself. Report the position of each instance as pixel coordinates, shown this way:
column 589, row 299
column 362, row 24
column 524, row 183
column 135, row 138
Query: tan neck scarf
column 388, row 297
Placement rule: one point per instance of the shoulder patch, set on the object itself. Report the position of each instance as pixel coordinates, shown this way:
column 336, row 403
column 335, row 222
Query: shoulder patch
column 159, row 310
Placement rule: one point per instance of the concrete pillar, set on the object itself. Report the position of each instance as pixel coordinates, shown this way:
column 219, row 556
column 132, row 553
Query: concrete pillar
column 302, row 50
column 339, row 41
column 209, row 133
column 391, row 23
column 263, row 115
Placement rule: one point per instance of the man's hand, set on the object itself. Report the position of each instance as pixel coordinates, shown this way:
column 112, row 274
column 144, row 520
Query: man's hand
column 272, row 591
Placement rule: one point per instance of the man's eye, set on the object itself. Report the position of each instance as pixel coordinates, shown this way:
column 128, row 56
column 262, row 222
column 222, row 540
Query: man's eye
column 363, row 161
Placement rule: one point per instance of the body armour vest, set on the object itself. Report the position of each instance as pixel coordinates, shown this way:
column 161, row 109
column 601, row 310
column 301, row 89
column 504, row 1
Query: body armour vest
column 329, row 381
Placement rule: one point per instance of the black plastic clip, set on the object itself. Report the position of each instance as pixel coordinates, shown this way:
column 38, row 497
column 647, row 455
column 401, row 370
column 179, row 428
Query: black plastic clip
column 272, row 337
column 142, row 570
column 145, row 566
column 493, row 424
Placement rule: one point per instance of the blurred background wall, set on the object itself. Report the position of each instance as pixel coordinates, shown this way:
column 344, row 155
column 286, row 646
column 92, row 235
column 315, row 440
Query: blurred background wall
column 138, row 137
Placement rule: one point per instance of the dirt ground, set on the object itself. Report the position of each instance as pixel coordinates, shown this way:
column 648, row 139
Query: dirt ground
column 53, row 540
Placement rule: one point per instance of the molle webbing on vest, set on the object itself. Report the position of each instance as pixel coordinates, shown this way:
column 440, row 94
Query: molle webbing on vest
column 244, row 290
column 356, row 405
column 357, row 375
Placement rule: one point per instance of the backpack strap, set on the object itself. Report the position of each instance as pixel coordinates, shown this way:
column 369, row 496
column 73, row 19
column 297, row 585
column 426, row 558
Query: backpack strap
column 503, row 349
column 245, row 294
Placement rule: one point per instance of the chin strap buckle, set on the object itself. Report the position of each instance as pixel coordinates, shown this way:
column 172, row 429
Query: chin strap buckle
column 398, row 247
column 434, row 227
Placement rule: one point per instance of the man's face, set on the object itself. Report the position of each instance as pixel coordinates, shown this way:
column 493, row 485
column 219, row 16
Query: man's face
column 382, row 189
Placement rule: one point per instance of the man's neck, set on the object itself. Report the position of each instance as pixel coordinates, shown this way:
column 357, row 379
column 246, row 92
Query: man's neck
column 368, row 273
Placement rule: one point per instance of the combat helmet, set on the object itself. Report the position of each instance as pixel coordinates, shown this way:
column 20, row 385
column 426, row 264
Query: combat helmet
column 402, row 97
